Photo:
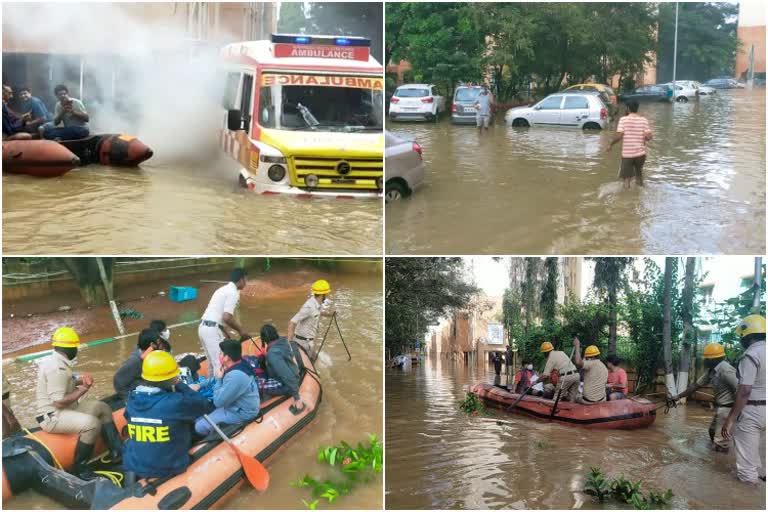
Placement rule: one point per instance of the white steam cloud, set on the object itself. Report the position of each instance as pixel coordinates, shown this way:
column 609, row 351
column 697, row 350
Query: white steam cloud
column 156, row 80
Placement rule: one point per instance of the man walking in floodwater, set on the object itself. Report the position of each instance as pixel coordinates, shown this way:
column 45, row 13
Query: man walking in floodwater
column 219, row 314
column 723, row 378
column 483, row 110
column 303, row 326
column 748, row 413
column 634, row 131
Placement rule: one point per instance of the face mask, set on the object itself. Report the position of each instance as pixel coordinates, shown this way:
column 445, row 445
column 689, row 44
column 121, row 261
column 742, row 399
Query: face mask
column 529, row 367
column 166, row 334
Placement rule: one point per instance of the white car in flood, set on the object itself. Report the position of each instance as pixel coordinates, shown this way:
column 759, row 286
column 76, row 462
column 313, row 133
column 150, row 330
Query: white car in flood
column 585, row 111
column 416, row 102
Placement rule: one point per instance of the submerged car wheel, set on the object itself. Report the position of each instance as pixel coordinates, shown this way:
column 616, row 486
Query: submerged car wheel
column 520, row 123
column 682, row 99
column 591, row 126
column 394, row 191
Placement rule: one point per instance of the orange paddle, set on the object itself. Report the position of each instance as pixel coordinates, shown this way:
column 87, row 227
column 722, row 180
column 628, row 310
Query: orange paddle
column 254, row 470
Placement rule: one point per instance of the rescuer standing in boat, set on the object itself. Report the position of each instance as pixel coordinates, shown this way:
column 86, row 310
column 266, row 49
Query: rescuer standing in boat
column 303, row 326
column 568, row 376
column 748, row 413
column 220, row 313
column 59, row 408
column 723, row 378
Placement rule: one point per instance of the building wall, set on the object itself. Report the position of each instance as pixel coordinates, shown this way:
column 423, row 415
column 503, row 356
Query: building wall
column 750, row 36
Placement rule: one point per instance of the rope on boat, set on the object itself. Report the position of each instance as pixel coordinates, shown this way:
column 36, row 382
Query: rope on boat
column 53, row 455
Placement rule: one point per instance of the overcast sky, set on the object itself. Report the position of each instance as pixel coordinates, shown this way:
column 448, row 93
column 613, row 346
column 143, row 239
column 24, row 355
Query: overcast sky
column 726, row 271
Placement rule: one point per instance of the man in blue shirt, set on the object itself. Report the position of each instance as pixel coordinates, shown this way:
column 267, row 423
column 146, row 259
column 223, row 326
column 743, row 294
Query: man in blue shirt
column 13, row 125
column 235, row 390
column 160, row 413
column 38, row 112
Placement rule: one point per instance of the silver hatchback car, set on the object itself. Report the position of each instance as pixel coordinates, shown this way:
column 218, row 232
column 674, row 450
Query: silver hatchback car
column 404, row 166
column 584, row 111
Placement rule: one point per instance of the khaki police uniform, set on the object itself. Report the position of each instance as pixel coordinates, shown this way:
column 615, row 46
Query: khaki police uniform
column 749, row 431
column 307, row 320
column 724, row 381
column 595, row 378
column 568, row 376
column 55, row 380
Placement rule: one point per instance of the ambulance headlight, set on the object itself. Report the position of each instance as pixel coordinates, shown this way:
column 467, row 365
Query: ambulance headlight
column 311, row 181
column 276, row 172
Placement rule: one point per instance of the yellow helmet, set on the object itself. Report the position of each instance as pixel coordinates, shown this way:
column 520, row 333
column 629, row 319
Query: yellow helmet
column 547, row 347
column 714, row 351
column 752, row 324
column 592, row 351
column 321, row 287
column 159, row 366
column 65, row 337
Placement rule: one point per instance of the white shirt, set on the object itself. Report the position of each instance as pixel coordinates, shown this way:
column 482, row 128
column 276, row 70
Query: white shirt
column 307, row 319
column 224, row 300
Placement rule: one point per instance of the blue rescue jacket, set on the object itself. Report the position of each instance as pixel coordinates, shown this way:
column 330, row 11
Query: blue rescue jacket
column 160, row 429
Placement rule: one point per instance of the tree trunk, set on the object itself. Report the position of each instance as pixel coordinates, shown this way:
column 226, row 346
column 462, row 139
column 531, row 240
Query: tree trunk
column 756, row 281
column 688, row 330
column 667, row 327
column 86, row 272
column 612, row 320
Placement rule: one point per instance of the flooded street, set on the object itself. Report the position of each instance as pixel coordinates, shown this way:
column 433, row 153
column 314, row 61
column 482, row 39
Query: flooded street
column 352, row 391
column 171, row 208
column 440, row 458
column 555, row 191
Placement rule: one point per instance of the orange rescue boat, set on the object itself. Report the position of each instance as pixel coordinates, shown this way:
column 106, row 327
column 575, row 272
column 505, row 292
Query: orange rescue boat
column 117, row 150
column 41, row 158
column 213, row 477
column 627, row 414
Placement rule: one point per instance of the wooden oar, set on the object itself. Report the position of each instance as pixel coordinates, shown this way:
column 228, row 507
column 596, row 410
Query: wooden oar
column 254, row 470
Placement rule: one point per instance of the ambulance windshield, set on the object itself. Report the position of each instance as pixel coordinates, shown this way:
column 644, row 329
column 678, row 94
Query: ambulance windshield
column 320, row 107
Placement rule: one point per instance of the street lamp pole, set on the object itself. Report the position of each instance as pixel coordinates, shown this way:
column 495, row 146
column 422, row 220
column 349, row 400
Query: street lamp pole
column 674, row 56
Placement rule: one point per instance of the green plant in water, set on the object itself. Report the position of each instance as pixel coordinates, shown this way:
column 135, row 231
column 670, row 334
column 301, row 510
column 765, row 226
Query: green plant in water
column 597, row 485
column 541, row 444
column 358, row 464
column 624, row 489
column 472, row 404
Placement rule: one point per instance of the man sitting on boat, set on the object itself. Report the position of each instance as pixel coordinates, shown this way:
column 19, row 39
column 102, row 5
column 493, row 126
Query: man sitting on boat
column 617, row 379
column 13, row 125
column 160, row 413
column 235, row 390
column 38, row 112
column 284, row 364
column 595, row 373
column 524, row 378
column 71, row 114
column 128, row 376
column 568, row 376
column 59, row 408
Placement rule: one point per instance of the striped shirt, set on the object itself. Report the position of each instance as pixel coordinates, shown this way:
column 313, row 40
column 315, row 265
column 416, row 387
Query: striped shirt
column 635, row 128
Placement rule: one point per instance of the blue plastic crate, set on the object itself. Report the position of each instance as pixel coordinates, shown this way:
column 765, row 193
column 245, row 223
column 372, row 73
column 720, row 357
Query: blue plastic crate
column 182, row 293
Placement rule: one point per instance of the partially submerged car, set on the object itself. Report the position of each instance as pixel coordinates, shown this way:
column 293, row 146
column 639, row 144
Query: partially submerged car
column 585, row 111
column 404, row 166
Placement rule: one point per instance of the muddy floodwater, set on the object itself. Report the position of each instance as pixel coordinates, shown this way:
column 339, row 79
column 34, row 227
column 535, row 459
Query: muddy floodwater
column 352, row 390
column 440, row 458
column 555, row 190
column 171, row 208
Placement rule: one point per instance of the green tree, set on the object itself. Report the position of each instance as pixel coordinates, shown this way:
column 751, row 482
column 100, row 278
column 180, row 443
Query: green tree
column 292, row 18
column 610, row 278
column 418, row 292
column 549, row 292
column 706, row 40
